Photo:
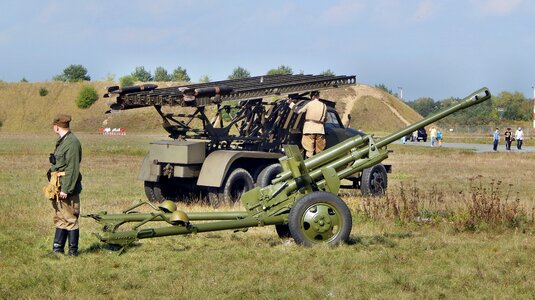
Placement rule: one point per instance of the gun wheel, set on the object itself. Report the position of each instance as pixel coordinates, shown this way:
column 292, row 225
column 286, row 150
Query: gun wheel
column 320, row 218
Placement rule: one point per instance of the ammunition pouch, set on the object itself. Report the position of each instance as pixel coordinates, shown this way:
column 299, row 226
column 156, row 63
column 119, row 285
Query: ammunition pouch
column 52, row 189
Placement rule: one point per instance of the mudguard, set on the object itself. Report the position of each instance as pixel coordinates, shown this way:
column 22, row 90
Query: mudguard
column 217, row 165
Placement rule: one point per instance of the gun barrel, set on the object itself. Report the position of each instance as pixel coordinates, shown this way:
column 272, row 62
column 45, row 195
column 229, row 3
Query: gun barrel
column 478, row 96
column 337, row 155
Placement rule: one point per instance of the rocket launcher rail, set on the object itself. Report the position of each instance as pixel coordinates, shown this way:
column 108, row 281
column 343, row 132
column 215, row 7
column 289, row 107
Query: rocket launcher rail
column 212, row 93
column 301, row 201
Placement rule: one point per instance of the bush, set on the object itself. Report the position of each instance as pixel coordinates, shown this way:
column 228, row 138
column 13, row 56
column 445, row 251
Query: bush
column 281, row 70
column 126, row 80
column 43, row 92
column 327, row 72
column 88, row 95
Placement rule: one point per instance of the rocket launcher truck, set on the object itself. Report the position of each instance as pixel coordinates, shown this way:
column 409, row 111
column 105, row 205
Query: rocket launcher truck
column 228, row 135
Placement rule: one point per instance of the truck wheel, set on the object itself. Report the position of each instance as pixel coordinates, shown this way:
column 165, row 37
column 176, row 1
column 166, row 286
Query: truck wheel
column 268, row 174
column 238, row 182
column 153, row 191
column 374, row 181
column 320, row 218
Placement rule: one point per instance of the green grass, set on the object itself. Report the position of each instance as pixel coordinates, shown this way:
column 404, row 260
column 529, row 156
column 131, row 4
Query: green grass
column 385, row 258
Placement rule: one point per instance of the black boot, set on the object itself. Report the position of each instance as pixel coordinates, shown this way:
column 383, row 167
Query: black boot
column 59, row 241
column 74, row 235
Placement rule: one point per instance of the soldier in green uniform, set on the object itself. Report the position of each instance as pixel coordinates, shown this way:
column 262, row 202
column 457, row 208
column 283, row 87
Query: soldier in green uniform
column 66, row 166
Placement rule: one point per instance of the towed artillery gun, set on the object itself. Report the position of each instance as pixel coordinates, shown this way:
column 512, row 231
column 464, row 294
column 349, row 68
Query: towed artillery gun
column 239, row 147
column 302, row 201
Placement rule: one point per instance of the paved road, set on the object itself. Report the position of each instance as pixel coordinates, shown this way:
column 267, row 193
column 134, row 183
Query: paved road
column 475, row 147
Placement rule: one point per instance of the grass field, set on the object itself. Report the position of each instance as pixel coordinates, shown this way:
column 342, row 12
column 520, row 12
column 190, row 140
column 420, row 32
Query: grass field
column 454, row 224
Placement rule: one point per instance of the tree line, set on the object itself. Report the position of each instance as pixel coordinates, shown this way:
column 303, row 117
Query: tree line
column 504, row 106
column 77, row 72
column 512, row 106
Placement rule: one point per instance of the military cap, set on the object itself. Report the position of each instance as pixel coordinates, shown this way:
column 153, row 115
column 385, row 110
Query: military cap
column 62, row 120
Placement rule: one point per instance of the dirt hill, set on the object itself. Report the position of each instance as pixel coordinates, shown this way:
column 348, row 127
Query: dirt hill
column 371, row 109
column 22, row 109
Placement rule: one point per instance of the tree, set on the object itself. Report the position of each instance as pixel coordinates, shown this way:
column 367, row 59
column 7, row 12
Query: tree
column 180, row 74
column 513, row 105
column 205, row 79
column 160, row 74
column 481, row 114
column 140, row 74
column 59, row 77
column 88, row 95
column 281, row 70
column 73, row 73
column 424, row 106
column 24, row 79
column 327, row 72
column 126, row 80
column 239, row 73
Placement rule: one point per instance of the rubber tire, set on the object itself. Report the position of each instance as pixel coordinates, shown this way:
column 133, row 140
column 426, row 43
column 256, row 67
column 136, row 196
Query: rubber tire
column 238, row 182
column 268, row 174
column 153, row 191
column 332, row 206
column 374, row 181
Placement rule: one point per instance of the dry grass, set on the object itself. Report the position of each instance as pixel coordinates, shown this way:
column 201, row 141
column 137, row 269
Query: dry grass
column 22, row 109
column 487, row 206
column 385, row 258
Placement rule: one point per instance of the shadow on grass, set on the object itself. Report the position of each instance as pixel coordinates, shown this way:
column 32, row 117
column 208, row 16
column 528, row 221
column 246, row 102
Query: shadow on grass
column 387, row 239
column 98, row 247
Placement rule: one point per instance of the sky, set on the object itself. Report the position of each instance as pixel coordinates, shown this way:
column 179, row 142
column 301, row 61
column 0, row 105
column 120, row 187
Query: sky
column 424, row 48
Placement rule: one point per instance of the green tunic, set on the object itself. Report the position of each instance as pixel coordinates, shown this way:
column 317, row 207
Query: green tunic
column 68, row 157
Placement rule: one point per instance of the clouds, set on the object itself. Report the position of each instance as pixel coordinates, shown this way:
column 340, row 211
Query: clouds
column 343, row 11
column 425, row 45
column 425, row 10
column 498, row 7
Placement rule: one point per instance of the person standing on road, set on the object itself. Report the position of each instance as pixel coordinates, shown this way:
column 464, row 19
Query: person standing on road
column 414, row 136
column 519, row 136
column 496, row 139
column 439, row 137
column 65, row 172
column 508, row 137
column 313, row 140
column 433, row 134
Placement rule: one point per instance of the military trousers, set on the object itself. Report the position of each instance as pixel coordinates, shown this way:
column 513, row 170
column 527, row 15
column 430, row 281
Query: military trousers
column 313, row 143
column 67, row 212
